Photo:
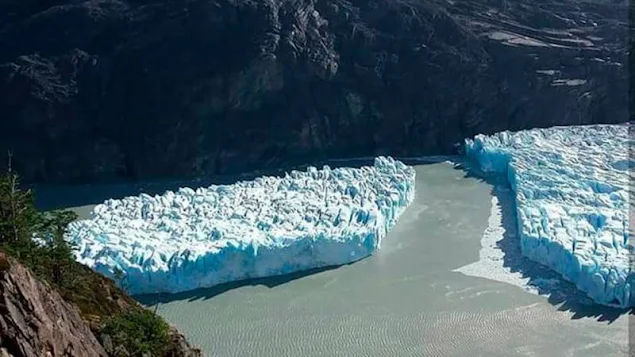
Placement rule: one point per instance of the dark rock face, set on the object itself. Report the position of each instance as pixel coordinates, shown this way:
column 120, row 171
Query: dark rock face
column 35, row 321
column 107, row 89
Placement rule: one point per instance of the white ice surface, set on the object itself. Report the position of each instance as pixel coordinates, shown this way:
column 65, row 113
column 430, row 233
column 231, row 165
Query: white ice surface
column 500, row 258
column 191, row 239
column 491, row 257
column 571, row 188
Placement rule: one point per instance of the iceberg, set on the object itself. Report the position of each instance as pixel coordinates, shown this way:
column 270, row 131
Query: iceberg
column 572, row 190
column 196, row 238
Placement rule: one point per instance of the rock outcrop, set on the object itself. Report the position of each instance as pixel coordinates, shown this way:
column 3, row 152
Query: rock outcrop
column 180, row 347
column 35, row 321
column 105, row 89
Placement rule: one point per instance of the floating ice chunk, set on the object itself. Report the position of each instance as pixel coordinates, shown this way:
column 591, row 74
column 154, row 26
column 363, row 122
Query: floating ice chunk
column 191, row 239
column 572, row 200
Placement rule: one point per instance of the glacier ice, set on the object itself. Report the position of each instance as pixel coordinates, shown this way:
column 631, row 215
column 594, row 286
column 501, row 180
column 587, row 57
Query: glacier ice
column 571, row 187
column 190, row 239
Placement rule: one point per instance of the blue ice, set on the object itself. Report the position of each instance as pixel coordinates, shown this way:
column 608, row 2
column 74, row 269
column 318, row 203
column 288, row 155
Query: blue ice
column 572, row 201
column 196, row 238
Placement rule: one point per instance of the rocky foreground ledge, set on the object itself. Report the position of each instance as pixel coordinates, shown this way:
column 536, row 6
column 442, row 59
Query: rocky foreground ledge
column 36, row 321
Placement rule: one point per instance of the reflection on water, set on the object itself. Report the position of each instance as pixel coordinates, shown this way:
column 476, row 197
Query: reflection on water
column 407, row 300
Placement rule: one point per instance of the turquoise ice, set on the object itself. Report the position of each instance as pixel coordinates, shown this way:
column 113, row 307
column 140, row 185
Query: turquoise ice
column 196, row 238
column 572, row 187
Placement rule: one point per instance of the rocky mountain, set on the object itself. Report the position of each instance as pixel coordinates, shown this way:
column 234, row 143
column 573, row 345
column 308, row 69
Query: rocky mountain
column 106, row 89
column 35, row 320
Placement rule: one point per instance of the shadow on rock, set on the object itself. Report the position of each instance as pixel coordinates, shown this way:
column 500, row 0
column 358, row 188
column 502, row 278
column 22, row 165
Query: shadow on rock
column 559, row 292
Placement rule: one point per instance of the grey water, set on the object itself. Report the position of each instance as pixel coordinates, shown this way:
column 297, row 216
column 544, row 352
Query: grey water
column 406, row 300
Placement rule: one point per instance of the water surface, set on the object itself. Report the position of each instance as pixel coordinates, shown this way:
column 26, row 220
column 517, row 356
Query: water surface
column 423, row 294
column 407, row 300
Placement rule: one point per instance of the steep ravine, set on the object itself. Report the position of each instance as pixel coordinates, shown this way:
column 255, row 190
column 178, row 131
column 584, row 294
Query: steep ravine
column 107, row 89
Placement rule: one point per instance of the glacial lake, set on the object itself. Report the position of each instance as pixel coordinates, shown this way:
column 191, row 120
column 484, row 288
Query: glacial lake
column 447, row 281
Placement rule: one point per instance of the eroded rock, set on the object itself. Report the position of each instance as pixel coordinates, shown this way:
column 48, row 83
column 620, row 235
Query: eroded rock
column 35, row 321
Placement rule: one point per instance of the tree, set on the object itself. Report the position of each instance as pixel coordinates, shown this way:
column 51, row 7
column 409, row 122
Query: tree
column 59, row 251
column 38, row 240
column 34, row 238
column 18, row 216
column 139, row 332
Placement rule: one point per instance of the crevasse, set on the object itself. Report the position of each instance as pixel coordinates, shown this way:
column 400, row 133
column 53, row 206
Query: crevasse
column 572, row 187
column 199, row 238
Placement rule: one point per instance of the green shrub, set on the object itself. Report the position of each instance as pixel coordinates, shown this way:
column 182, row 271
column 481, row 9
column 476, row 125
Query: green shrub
column 50, row 257
column 36, row 239
column 18, row 216
column 139, row 331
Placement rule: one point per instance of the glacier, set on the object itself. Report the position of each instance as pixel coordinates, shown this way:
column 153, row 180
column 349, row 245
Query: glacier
column 572, row 188
column 196, row 238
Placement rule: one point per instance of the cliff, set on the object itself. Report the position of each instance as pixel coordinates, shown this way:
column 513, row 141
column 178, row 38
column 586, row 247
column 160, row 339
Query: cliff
column 35, row 320
column 107, row 89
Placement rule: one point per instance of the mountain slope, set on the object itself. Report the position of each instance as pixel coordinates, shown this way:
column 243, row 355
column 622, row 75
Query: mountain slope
column 149, row 88
column 35, row 320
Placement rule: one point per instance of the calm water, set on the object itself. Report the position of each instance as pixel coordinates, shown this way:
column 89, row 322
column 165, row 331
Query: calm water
column 407, row 300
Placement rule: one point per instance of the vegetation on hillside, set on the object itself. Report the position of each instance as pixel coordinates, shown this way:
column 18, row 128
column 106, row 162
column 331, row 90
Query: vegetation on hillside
column 139, row 331
column 36, row 239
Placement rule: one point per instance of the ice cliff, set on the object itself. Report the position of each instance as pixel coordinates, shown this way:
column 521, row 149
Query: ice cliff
column 572, row 201
column 201, row 237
